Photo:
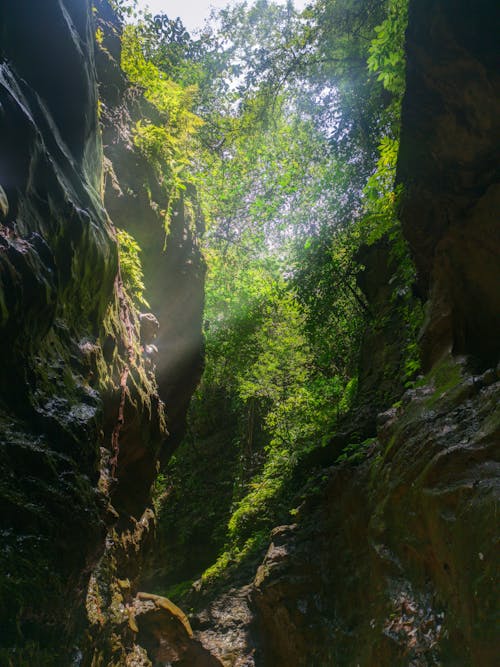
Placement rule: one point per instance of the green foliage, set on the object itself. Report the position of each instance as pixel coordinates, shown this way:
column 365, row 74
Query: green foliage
column 287, row 123
column 177, row 591
column 230, row 559
column 130, row 266
column 381, row 196
column 387, row 60
column 99, row 36
column 264, row 184
column 411, row 310
column 355, row 452
column 325, row 278
column 387, row 57
column 124, row 8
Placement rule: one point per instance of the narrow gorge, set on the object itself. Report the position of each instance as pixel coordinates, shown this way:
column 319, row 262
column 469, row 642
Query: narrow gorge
column 250, row 327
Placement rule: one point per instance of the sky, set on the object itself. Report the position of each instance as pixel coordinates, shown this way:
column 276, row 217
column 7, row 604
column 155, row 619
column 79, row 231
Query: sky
column 192, row 12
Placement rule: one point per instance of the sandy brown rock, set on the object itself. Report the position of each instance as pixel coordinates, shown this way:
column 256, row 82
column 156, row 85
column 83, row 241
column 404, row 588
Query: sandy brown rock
column 164, row 631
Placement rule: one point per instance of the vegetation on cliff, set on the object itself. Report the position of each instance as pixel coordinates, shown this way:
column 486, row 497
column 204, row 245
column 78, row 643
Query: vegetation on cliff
column 287, row 126
column 325, row 505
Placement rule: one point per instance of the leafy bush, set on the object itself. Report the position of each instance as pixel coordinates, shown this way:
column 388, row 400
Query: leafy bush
column 170, row 146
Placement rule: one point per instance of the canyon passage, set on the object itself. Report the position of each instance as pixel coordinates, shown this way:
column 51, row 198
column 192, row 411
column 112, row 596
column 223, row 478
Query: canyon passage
column 250, row 325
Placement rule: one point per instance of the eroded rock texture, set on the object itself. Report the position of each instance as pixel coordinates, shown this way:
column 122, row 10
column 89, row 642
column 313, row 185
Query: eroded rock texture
column 58, row 270
column 396, row 565
column 81, row 419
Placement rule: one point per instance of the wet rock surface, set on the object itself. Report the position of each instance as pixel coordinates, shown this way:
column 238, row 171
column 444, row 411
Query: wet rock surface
column 58, row 264
column 82, row 423
column 396, row 565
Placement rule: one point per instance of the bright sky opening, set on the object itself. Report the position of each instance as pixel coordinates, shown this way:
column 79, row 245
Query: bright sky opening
column 194, row 12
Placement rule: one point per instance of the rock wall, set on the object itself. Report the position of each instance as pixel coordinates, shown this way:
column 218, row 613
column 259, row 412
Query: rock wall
column 82, row 420
column 395, row 564
column 174, row 270
column 58, row 287
column 449, row 167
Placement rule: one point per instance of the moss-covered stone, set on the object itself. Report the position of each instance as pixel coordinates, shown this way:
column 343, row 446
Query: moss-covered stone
column 81, row 420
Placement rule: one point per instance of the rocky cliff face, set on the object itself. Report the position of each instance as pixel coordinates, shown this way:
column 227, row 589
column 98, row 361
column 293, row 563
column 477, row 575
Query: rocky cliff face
column 82, row 423
column 394, row 564
column 391, row 562
column 59, row 285
column 174, row 271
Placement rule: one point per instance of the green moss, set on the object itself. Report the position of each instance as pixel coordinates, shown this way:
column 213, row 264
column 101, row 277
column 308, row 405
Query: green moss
column 445, row 376
column 220, row 566
column 375, row 466
column 390, row 445
column 178, row 591
column 230, row 560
